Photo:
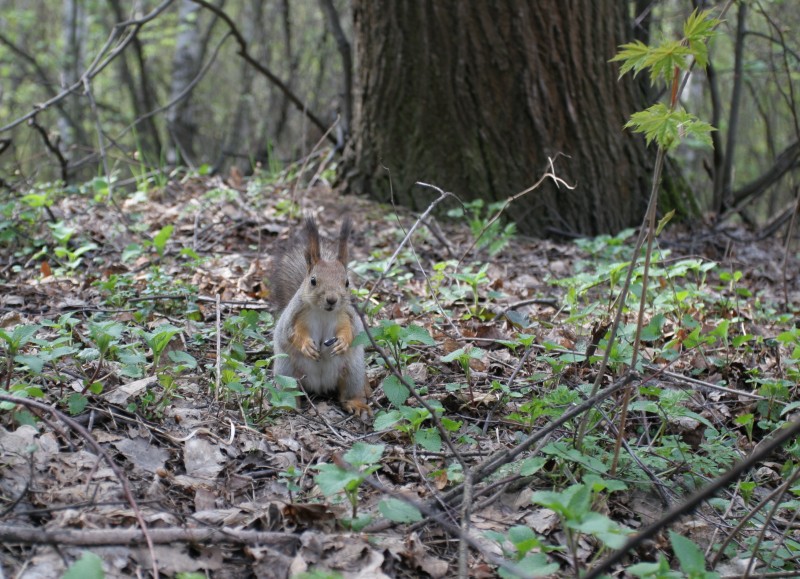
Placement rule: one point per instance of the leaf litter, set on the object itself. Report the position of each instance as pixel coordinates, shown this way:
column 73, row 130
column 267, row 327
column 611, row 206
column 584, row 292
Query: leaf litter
column 200, row 459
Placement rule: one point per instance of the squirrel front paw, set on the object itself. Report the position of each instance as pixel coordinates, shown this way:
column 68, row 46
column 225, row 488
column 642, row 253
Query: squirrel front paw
column 341, row 345
column 309, row 349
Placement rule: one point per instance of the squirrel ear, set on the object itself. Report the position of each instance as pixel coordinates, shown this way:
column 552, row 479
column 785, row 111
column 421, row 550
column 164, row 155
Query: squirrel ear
column 344, row 233
column 312, row 243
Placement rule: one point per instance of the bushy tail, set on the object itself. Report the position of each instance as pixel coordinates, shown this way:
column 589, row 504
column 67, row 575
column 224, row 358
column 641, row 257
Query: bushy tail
column 291, row 265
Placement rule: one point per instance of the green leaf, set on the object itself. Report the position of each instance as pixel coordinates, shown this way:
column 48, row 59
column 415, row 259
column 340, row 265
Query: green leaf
column 35, row 363
column 287, row 382
column 535, row 565
column 190, row 253
column 689, row 555
column 185, row 359
column 399, row 511
column 161, row 238
column 602, row 527
column 532, row 465
column 429, row 439
column 159, row 339
column 363, row 454
column 360, row 340
column 699, row 27
column 131, row 252
column 665, row 58
column 385, row 420
column 523, row 538
column 659, row 570
column 451, row 425
column 20, row 336
column 663, row 222
column 414, row 334
column 284, row 399
column 667, row 127
column 395, row 391
column 89, row 566
column 633, row 57
column 76, row 403
column 332, row 479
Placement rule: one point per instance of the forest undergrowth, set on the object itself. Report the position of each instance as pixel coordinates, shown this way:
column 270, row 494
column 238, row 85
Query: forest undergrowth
column 140, row 420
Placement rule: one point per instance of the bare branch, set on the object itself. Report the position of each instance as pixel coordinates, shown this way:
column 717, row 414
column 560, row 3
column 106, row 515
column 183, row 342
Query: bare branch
column 98, row 64
column 240, row 40
column 95, row 446
column 347, row 62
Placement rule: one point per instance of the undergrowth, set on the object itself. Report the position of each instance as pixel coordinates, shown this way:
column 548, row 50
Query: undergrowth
column 718, row 367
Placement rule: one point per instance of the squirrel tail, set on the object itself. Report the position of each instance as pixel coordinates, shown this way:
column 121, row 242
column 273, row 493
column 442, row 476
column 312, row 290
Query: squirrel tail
column 292, row 264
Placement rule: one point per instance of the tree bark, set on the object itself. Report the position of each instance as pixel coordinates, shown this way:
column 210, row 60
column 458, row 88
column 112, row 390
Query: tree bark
column 141, row 94
column 476, row 96
column 188, row 55
column 74, row 32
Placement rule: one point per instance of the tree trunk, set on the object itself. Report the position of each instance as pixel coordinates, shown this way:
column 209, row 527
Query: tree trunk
column 185, row 65
column 475, row 96
column 73, row 20
column 141, row 94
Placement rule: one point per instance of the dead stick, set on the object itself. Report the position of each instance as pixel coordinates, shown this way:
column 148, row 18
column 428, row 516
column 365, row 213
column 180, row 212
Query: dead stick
column 10, row 534
column 86, row 435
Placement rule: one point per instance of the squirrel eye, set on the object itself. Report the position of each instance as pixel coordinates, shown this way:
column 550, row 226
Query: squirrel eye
column 346, row 283
column 313, row 280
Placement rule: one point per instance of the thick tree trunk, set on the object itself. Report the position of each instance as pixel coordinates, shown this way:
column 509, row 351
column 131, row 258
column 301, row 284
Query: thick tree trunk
column 475, row 96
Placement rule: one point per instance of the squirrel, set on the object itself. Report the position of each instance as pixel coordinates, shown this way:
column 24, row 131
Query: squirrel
column 318, row 320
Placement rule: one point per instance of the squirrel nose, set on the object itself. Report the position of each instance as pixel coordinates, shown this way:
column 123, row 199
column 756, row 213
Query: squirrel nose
column 331, row 300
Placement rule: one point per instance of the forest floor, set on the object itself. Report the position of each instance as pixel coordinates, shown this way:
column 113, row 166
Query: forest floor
column 157, row 342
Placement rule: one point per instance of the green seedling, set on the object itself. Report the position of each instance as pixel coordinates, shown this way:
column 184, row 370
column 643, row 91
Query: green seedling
column 463, row 356
column 474, row 279
column 158, row 340
column 361, row 461
column 518, row 544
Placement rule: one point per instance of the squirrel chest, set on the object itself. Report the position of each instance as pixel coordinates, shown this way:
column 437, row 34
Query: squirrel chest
column 322, row 374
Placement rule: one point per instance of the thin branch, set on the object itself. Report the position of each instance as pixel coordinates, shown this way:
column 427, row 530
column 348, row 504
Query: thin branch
column 240, row 40
column 787, row 160
column 10, row 534
column 764, row 449
column 52, row 147
column 736, row 98
column 100, row 451
column 99, row 63
column 347, row 62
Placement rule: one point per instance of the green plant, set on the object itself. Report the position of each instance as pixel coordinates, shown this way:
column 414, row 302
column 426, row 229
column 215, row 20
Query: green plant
column 410, row 421
column 158, row 340
column 69, row 258
column 397, row 339
column 89, row 566
column 573, row 506
column 463, row 356
column 690, row 558
column 667, row 125
column 517, row 545
column 473, row 279
column 117, row 289
column 490, row 234
column 359, row 462
column 161, row 238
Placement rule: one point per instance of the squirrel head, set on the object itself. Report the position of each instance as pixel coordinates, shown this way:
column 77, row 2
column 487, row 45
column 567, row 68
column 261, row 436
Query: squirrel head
column 326, row 285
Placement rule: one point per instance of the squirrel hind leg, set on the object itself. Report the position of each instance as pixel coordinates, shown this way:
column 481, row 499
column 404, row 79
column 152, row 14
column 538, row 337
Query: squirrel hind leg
column 357, row 407
column 354, row 402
